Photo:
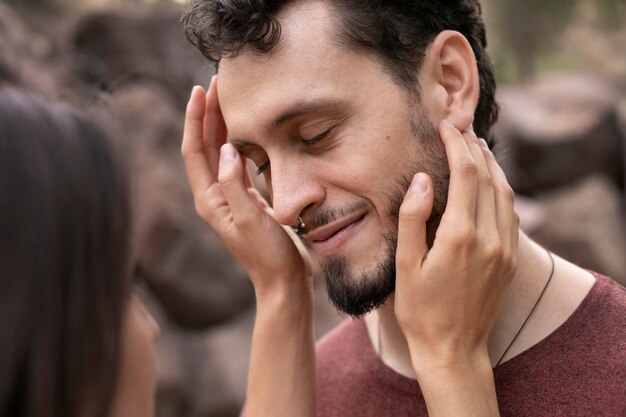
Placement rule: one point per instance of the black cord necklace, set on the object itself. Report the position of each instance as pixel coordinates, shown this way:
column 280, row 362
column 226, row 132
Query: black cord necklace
column 531, row 311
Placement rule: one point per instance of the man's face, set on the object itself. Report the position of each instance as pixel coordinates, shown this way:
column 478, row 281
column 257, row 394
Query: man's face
column 343, row 142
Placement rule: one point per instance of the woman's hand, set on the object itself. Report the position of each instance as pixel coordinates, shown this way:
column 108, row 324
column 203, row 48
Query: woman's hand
column 226, row 199
column 449, row 296
column 281, row 379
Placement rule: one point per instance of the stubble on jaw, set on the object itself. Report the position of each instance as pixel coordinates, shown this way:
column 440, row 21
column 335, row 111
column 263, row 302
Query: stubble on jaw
column 357, row 294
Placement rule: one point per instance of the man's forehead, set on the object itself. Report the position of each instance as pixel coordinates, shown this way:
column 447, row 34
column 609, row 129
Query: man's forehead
column 303, row 64
column 307, row 29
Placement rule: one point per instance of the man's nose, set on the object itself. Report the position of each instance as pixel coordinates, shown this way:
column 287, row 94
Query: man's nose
column 295, row 190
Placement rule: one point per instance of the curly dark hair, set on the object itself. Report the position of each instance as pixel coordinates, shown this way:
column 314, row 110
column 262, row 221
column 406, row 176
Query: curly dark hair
column 396, row 31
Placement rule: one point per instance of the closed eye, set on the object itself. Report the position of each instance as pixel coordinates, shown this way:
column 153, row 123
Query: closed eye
column 306, row 142
column 312, row 141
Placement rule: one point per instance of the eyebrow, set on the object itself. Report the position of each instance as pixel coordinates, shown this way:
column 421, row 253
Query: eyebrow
column 298, row 109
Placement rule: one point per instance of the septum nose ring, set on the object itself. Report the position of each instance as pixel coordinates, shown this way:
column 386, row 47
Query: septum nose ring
column 300, row 227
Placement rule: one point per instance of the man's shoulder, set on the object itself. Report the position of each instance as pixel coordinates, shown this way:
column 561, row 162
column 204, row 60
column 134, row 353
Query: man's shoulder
column 597, row 325
column 606, row 302
column 579, row 368
column 603, row 316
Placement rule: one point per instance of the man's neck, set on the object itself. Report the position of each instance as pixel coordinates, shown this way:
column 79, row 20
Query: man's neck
column 568, row 287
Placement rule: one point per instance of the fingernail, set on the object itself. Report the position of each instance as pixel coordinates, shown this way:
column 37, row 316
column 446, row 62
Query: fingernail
column 228, row 152
column 419, row 184
column 483, row 143
column 193, row 90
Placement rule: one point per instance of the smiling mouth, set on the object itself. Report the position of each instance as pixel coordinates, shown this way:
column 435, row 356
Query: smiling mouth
column 340, row 230
column 329, row 243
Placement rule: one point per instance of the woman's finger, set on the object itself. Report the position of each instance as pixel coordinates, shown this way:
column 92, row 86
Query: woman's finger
column 215, row 132
column 462, row 191
column 192, row 148
column 245, row 210
column 486, row 223
column 506, row 218
column 414, row 212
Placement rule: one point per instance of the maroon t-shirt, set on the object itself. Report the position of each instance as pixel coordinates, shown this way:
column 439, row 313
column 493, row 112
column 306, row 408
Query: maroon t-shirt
column 578, row 370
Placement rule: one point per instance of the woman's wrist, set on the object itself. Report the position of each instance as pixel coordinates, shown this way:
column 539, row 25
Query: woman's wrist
column 463, row 387
column 428, row 355
column 285, row 298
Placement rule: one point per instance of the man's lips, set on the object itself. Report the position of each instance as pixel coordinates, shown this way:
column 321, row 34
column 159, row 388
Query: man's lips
column 328, row 239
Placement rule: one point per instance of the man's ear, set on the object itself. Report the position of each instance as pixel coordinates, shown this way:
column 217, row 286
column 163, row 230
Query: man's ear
column 450, row 77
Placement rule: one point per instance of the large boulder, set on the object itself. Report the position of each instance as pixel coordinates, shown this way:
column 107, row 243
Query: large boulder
column 114, row 48
column 203, row 373
column 559, row 129
column 25, row 55
column 183, row 262
column 144, row 60
column 582, row 223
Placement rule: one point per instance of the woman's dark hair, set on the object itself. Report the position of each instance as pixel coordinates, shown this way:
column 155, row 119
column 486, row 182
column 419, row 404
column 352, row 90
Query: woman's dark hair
column 64, row 259
column 396, row 31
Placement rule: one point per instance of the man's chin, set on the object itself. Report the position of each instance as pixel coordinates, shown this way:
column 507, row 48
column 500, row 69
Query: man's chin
column 358, row 294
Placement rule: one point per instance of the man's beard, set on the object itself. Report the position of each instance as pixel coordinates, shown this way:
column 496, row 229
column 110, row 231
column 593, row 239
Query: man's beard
column 357, row 294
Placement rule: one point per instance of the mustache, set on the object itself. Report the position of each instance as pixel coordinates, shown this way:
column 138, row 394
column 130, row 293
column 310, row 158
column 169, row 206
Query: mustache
column 324, row 216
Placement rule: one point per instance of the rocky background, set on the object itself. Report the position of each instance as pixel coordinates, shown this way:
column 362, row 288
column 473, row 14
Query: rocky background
column 562, row 141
